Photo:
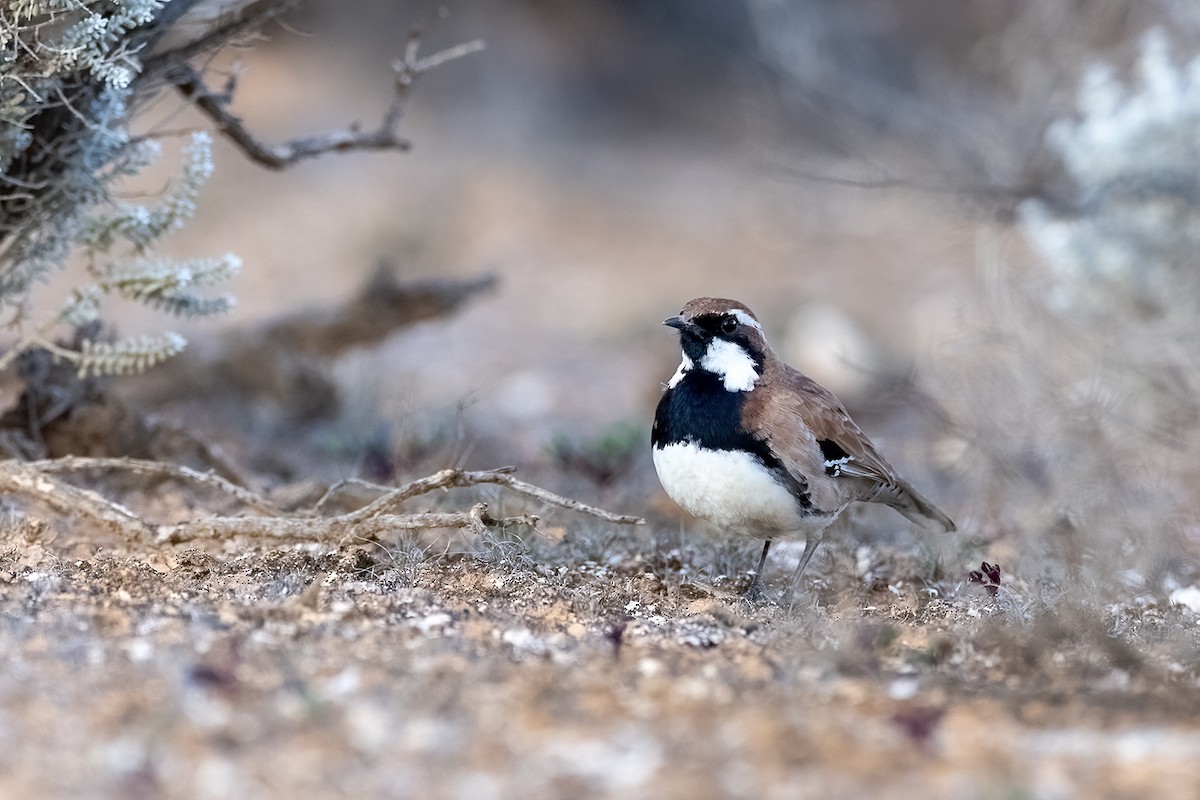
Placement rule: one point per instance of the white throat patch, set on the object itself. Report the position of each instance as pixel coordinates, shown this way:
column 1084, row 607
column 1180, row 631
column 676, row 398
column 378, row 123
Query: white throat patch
column 684, row 366
column 732, row 363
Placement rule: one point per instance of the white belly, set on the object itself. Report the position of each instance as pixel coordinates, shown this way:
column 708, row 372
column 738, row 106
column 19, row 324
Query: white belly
column 730, row 489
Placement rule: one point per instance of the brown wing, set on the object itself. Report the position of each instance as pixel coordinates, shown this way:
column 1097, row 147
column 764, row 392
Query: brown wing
column 843, row 462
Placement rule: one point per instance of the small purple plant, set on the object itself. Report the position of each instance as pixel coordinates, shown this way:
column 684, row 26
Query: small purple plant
column 616, row 636
column 987, row 576
column 918, row 722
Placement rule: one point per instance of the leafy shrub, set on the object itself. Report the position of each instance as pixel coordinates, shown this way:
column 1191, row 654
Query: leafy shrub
column 69, row 77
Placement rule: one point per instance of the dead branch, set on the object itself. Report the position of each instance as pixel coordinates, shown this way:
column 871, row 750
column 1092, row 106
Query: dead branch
column 382, row 306
column 454, row 478
column 208, row 453
column 253, row 16
column 384, row 137
column 336, row 489
column 538, row 493
column 17, row 478
column 36, row 480
column 158, row 469
column 310, row 529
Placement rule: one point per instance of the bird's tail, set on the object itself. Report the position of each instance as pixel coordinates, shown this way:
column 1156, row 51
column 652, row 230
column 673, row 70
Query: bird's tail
column 909, row 502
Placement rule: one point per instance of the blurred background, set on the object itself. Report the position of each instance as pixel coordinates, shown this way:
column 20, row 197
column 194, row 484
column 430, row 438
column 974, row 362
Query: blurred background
column 975, row 220
column 868, row 175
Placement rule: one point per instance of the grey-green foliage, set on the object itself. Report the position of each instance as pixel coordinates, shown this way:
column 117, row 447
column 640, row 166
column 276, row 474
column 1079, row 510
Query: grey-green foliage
column 68, row 78
column 1124, row 260
column 1104, row 402
column 1131, row 153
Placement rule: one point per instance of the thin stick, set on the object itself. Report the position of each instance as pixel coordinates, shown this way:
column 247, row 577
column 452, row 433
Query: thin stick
column 453, row 478
column 26, row 479
column 160, row 469
column 254, row 16
column 538, row 493
column 210, row 452
column 336, row 488
column 328, row 528
column 36, row 479
column 384, row 137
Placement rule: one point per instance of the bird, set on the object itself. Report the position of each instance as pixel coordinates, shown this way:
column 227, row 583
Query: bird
column 756, row 447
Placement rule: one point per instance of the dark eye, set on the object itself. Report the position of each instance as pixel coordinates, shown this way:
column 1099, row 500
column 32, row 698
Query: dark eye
column 729, row 325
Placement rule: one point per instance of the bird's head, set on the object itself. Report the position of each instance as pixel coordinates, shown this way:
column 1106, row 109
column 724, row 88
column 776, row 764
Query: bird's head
column 722, row 337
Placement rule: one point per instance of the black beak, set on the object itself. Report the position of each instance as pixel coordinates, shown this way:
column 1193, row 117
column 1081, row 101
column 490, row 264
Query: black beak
column 680, row 324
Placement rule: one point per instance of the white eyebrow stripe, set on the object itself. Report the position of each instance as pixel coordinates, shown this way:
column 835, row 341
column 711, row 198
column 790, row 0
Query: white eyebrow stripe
column 744, row 318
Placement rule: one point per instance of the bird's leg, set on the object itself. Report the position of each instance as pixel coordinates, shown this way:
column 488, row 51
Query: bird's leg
column 811, row 542
column 762, row 559
column 755, row 592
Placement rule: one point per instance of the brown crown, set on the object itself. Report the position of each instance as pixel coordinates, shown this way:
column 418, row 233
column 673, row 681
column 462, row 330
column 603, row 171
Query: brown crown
column 713, row 305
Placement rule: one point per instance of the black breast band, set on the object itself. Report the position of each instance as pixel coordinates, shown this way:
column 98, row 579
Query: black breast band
column 699, row 410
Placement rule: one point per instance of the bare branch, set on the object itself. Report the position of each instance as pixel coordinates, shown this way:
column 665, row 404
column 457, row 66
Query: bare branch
column 251, row 18
column 208, row 452
column 335, row 489
column 446, row 479
column 383, row 137
column 452, row 478
column 309, row 529
column 159, row 469
column 29, row 480
column 538, row 493
column 35, row 480
column 418, row 65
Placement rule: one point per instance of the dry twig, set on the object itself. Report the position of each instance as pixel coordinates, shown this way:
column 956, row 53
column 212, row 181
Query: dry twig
column 252, row 17
column 17, row 478
column 452, row 478
column 384, row 137
column 343, row 526
column 160, row 469
column 36, row 480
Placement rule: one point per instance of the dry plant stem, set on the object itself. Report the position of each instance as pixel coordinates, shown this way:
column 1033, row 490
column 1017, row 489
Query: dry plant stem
column 344, row 526
column 31, row 481
column 452, row 478
column 336, row 488
column 161, row 469
column 35, row 480
column 252, row 17
column 214, row 456
column 384, row 137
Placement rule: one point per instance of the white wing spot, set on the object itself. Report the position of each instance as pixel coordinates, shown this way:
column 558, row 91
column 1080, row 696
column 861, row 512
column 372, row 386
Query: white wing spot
column 834, row 467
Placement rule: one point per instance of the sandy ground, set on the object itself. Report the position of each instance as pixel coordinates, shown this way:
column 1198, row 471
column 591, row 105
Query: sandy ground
column 541, row 672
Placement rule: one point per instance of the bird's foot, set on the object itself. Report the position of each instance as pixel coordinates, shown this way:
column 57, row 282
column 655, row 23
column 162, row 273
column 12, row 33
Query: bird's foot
column 796, row 598
column 756, row 593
